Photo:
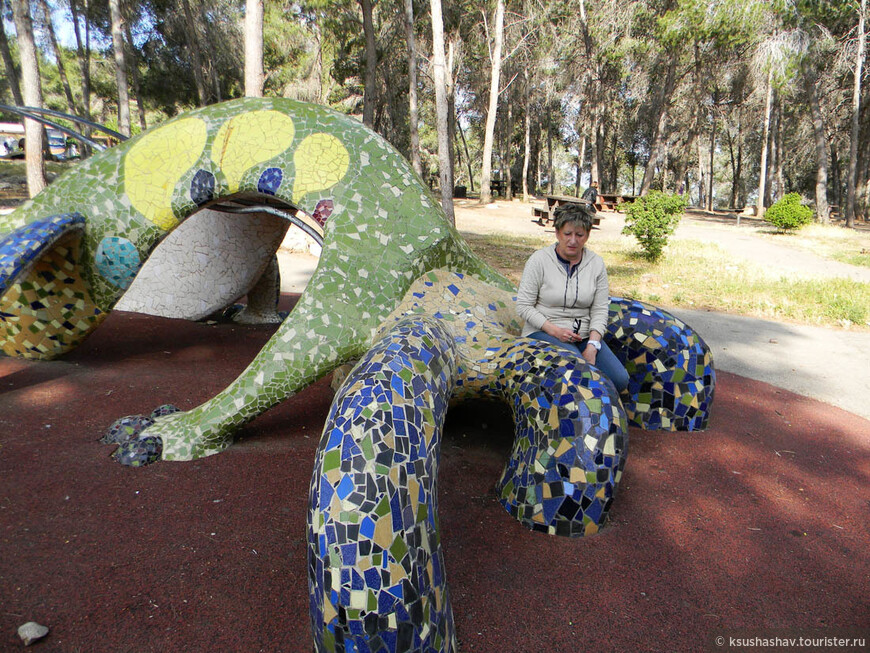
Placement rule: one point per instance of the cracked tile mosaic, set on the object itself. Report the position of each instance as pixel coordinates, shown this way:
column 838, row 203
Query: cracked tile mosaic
column 670, row 367
column 199, row 268
column 376, row 572
column 396, row 288
column 376, row 569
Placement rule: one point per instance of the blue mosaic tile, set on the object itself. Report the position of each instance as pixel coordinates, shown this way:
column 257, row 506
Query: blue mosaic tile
column 117, row 260
column 202, row 187
column 671, row 375
column 20, row 248
column 270, row 180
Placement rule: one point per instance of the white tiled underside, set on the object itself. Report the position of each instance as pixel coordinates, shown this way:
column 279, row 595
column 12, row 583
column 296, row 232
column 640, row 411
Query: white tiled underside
column 209, row 261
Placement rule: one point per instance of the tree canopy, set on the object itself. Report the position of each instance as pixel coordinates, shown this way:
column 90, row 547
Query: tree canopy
column 731, row 103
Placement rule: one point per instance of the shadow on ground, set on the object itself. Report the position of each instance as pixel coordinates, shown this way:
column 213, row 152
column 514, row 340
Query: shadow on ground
column 758, row 523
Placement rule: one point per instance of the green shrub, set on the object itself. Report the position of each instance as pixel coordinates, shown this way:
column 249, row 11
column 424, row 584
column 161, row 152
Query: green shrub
column 652, row 218
column 788, row 213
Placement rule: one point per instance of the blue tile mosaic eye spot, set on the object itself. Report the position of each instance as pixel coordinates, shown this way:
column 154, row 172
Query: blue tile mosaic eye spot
column 202, row 187
column 270, row 180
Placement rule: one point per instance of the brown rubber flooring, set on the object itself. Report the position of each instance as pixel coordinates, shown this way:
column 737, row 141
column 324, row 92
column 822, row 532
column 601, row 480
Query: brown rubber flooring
column 760, row 523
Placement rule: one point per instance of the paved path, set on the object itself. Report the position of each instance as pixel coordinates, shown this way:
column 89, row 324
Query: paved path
column 826, row 364
column 777, row 259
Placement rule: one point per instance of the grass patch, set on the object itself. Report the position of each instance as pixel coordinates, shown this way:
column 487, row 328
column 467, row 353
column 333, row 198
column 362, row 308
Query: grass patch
column 854, row 258
column 507, row 254
column 828, row 241
column 701, row 275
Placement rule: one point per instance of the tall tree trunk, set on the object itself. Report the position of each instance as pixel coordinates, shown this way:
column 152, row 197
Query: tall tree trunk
column 681, row 169
column 577, row 177
column 594, row 93
column 84, row 56
column 450, row 87
column 599, row 154
column 467, row 158
column 762, row 168
column 486, row 171
column 413, row 118
column 740, row 185
column 780, row 157
column 32, row 96
column 439, row 65
column 370, row 82
column 61, row 69
column 120, row 68
column 195, row 52
column 551, row 186
column 9, row 64
column 772, row 156
column 578, row 183
column 253, row 48
column 702, row 174
column 657, row 144
column 594, row 155
column 712, row 151
column 134, row 77
column 665, row 159
column 527, row 129
column 506, row 161
column 856, row 108
column 836, row 178
column 736, row 164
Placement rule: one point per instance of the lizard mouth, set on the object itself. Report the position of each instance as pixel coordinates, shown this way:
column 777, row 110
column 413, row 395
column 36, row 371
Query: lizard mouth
column 217, row 256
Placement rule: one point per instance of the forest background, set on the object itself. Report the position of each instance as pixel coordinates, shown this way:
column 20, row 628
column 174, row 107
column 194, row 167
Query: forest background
column 733, row 102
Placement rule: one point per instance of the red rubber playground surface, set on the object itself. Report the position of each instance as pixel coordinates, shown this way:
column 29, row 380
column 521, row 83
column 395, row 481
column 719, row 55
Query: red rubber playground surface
column 759, row 526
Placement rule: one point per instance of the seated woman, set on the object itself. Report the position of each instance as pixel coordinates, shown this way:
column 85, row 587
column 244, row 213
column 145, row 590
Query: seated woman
column 564, row 296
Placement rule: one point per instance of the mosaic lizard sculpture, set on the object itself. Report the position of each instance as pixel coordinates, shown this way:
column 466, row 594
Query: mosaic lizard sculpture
column 396, row 288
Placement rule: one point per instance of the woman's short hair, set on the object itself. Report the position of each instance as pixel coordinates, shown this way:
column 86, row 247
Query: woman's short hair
column 577, row 214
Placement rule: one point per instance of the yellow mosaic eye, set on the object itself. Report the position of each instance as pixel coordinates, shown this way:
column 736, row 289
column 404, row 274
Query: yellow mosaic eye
column 321, row 162
column 248, row 139
column 154, row 165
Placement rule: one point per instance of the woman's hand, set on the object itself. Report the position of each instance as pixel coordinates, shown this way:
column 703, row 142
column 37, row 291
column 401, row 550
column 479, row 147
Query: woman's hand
column 564, row 335
column 590, row 353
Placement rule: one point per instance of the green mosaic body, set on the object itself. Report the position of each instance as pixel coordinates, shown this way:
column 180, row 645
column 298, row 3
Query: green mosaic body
column 385, row 229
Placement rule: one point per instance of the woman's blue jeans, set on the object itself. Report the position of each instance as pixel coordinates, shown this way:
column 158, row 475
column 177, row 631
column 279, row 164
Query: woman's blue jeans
column 606, row 361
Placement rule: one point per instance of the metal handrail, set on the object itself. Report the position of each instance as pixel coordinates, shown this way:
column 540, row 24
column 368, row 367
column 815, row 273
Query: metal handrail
column 34, row 114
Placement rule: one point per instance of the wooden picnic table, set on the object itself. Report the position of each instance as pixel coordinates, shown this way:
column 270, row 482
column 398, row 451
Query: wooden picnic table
column 611, row 201
column 545, row 213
